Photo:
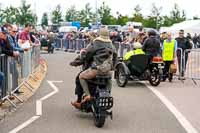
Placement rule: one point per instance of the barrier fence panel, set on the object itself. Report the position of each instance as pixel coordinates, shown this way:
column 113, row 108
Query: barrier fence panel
column 17, row 70
column 35, row 56
column 117, row 45
column 191, row 63
column 80, row 44
column 124, row 47
column 179, row 62
column 4, row 70
column 59, row 43
column 72, row 45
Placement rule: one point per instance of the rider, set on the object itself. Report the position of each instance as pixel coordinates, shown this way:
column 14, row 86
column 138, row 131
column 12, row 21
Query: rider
column 151, row 45
column 101, row 56
column 137, row 49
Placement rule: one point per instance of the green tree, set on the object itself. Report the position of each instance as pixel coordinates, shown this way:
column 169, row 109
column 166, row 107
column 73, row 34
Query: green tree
column 86, row 16
column 196, row 17
column 10, row 15
column 154, row 20
column 166, row 21
column 177, row 15
column 121, row 20
column 56, row 15
column 44, row 21
column 105, row 14
column 137, row 16
column 1, row 15
column 71, row 14
column 25, row 14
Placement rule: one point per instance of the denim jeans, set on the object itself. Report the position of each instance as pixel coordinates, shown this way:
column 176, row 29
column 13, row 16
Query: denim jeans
column 1, row 82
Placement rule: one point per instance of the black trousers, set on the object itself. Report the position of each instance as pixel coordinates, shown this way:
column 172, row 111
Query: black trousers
column 166, row 68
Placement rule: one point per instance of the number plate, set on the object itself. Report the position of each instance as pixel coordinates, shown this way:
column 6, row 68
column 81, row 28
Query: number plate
column 160, row 66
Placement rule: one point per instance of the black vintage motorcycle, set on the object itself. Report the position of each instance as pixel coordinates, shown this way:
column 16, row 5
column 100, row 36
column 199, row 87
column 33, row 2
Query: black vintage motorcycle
column 102, row 100
column 101, row 103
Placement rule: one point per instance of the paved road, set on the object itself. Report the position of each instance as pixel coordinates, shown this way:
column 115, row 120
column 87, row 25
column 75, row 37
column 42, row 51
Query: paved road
column 136, row 110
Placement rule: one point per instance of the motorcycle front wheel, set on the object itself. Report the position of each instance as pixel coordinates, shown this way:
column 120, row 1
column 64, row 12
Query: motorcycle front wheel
column 99, row 120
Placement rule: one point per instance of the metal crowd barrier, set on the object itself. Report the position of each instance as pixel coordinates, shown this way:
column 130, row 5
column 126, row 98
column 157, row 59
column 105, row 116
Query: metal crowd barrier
column 192, row 64
column 71, row 45
column 179, row 62
column 75, row 45
column 17, row 72
column 4, row 69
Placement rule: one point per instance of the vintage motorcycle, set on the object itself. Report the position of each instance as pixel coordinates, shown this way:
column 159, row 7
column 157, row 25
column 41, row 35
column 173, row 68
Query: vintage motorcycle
column 140, row 67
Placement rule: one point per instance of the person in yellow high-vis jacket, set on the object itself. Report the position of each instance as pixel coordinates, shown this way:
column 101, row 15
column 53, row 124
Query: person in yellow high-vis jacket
column 169, row 48
column 136, row 51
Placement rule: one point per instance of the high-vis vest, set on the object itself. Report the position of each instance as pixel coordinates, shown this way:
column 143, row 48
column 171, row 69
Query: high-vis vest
column 168, row 50
column 133, row 52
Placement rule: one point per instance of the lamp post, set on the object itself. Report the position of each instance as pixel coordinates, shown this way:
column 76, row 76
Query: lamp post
column 96, row 12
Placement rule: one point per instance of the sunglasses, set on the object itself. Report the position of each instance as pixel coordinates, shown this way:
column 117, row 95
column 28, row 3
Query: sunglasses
column 14, row 31
column 181, row 33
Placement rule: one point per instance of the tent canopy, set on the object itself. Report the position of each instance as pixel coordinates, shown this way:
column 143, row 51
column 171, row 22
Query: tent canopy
column 189, row 26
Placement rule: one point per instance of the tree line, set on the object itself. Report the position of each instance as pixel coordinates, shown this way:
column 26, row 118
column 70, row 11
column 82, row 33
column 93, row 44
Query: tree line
column 24, row 14
column 19, row 16
column 104, row 15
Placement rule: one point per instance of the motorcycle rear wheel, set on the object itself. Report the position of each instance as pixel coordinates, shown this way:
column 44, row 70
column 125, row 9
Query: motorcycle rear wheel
column 154, row 78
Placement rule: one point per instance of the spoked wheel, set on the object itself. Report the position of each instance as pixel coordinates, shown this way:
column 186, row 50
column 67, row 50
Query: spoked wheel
column 121, row 77
column 155, row 77
column 99, row 120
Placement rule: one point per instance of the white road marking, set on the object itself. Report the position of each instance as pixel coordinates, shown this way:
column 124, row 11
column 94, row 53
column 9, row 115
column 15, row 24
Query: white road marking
column 38, row 108
column 183, row 121
column 52, row 93
column 23, row 125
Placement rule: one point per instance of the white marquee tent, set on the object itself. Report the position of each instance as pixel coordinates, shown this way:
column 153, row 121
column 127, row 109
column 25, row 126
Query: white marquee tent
column 189, row 26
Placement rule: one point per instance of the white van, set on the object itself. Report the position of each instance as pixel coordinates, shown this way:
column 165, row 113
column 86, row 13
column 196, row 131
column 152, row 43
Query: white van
column 65, row 29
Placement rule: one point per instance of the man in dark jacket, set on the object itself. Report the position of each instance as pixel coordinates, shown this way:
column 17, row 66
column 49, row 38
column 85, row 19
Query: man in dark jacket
column 183, row 43
column 102, row 55
column 151, row 45
column 195, row 40
column 7, row 49
column 116, row 39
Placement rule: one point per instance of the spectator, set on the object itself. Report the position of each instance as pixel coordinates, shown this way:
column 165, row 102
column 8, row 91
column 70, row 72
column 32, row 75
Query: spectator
column 51, row 41
column 132, row 35
column 163, row 37
column 13, row 63
column 32, row 35
column 195, row 40
column 116, row 40
column 169, row 48
column 12, row 39
column 7, row 49
column 198, row 41
column 24, row 36
column 184, row 44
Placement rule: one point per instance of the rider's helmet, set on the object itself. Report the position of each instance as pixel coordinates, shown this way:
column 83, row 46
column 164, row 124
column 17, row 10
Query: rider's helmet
column 152, row 33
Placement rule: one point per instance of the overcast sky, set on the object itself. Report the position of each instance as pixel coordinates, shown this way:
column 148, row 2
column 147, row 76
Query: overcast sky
column 125, row 7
